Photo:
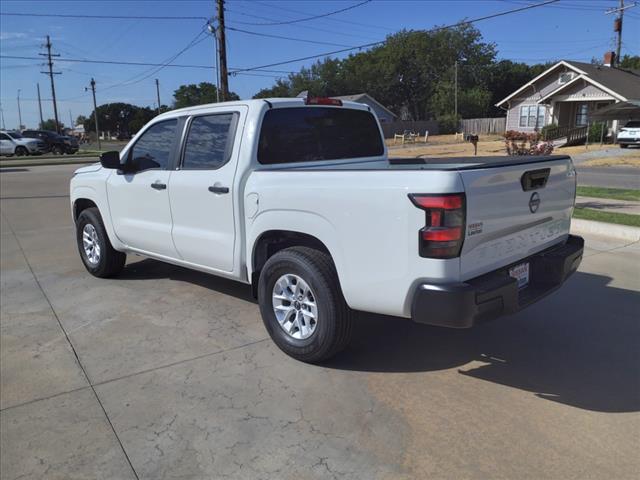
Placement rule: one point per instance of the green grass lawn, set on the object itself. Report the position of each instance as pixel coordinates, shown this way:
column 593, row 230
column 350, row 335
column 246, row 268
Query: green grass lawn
column 608, row 217
column 613, row 193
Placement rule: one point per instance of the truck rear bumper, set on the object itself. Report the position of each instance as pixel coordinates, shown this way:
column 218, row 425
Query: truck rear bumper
column 462, row 305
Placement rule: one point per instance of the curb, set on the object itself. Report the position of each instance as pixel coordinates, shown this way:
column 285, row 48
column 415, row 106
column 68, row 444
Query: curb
column 44, row 163
column 622, row 232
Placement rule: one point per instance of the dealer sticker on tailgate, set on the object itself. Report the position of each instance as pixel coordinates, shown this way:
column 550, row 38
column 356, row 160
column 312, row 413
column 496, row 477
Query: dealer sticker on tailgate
column 521, row 274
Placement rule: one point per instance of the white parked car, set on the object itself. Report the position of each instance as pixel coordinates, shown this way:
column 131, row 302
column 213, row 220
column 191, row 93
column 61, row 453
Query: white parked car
column 12, row 143
column 297, row 198
column 629, row 134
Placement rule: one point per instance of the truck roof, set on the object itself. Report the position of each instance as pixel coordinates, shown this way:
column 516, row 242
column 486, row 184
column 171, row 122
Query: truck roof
column 253, row 103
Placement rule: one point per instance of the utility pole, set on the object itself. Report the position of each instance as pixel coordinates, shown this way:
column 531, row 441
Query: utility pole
column 212, row 31
column 19, row 113
column 224, row 75
column 158, row 94
column 51, row 73
column 40, row 107
column 95, row 111
column 617, row 27
column 455, row 93
column 72, row 124
column 4, row 127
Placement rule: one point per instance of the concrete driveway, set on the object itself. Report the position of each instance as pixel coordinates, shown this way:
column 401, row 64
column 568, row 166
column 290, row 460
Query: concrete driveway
column 168, row 373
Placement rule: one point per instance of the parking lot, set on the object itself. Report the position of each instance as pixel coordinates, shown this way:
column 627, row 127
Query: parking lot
column 169, row 373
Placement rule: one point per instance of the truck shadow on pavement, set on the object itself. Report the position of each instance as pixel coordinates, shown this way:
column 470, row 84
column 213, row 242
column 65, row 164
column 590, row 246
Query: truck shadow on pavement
column 579, row 347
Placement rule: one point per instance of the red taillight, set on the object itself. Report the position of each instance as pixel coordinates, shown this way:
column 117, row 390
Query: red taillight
column 443, row 233
column 450, row 234
column 323, row 101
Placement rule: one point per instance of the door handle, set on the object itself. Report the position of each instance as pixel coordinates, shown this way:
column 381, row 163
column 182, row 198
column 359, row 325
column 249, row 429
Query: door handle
column 218, row 189
column 159, row 186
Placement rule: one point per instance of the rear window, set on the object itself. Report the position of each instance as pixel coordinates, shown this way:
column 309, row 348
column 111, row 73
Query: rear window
column 632, row 124
column 307, row 134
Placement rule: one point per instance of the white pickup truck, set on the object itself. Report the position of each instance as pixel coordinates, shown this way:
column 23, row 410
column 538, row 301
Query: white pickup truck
column 298, row 198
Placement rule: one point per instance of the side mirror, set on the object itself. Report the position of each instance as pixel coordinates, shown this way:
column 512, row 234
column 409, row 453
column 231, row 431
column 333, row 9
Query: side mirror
column 111, row 160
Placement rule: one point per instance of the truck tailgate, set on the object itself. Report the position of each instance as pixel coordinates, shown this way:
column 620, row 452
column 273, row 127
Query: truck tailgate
column 513, row 213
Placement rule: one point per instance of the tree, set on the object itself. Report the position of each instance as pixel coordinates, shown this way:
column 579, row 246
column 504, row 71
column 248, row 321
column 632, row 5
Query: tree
column 81, row 119
column 631, row 62
column 192, row 94
column 404, row 73
column 119, row 117
column 50, row 124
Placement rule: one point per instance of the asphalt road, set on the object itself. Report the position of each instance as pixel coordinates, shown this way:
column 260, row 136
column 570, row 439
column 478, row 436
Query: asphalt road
column 612, row 177
column 169, row 373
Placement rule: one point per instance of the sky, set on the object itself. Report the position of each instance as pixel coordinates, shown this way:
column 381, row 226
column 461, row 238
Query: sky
column 570, row 29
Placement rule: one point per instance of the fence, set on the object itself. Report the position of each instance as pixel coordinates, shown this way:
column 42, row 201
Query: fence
column 484, row 126
column 391, row 128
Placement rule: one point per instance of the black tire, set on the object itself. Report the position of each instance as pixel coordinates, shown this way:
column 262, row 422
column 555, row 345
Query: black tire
column 623, row 145
column 334, row 324
column 57, row 150
column 21, row 151
column 110, row 262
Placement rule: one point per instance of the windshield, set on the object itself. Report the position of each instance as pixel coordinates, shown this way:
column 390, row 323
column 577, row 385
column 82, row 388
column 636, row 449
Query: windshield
column 634, row 124
column 14, row 135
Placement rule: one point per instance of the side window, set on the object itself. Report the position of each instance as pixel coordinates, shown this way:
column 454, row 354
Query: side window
column 153, row 148
column 209, row 141
column 4, row 136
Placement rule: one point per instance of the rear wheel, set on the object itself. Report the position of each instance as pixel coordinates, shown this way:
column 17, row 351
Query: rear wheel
column 21, row 151
column 302, row 304
column 98, row 255
column 57, row 150
column 623, row 145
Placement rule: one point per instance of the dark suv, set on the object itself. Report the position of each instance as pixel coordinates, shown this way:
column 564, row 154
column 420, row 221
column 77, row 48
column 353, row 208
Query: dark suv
column 58, row 144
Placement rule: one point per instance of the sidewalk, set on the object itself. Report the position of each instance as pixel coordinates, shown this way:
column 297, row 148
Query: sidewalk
column 609, row 205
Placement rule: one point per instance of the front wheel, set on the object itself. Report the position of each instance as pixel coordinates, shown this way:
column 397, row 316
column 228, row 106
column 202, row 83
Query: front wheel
column 21, row 151
column 302, row 304
column 98, row 255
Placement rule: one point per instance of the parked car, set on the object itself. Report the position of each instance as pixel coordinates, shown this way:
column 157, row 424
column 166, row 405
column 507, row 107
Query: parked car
column 297, row 198
column 629, row 134
column 58, row 144
column 12, row 143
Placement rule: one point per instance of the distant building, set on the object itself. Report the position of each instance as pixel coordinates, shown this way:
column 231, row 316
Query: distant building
column 568, row 94
column 382, row 112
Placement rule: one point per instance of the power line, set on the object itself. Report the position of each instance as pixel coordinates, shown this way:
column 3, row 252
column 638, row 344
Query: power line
column 306, row 27
column 306, row 19
column 110, row 62
column 101, row 17
column 350, row 22
column 286, row 38
column 372, row 44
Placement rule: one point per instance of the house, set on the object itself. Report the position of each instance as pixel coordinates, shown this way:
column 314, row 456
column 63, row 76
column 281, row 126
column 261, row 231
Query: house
column 567, row 94
column 382, row 112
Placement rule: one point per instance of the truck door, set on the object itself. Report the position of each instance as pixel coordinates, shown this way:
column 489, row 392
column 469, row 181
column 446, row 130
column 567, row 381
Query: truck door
column 201, row 190
column 139, row 201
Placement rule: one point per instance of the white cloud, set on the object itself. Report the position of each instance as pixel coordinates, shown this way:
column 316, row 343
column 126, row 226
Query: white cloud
column 12, row 35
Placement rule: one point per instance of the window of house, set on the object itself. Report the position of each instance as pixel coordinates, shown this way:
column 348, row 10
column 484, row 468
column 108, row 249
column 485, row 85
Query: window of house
column 566, row 77
column 532, row 116
column 582, row 114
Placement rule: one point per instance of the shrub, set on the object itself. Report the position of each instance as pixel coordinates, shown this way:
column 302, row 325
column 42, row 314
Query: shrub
column 448, row 123
column 595, row 132
column 522, row 143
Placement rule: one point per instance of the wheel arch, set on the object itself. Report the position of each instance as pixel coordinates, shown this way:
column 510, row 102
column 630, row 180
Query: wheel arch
column 85, row 196
column 270, row 242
